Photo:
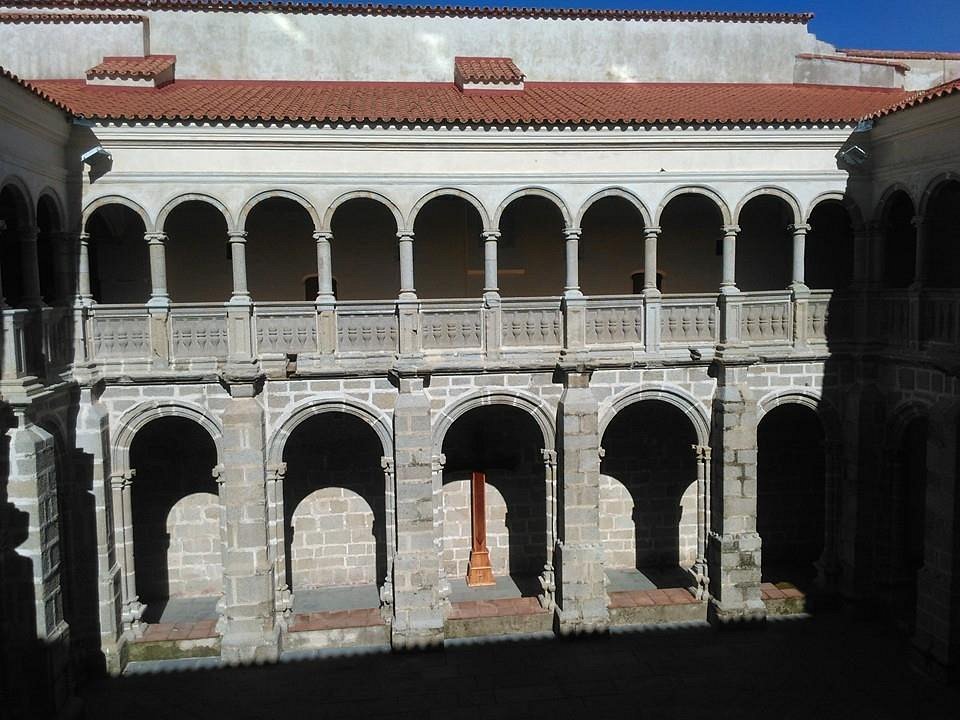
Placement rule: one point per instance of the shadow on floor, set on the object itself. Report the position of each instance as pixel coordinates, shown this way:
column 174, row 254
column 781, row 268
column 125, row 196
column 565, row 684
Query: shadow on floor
column 831, row 666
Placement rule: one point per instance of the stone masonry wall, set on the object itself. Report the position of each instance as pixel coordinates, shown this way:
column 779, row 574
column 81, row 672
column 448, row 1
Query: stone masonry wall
column 194, row 555
column 457, row 529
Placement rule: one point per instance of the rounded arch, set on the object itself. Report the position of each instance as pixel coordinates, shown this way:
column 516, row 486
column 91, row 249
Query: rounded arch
column 539, row 192
column 455, row 192
column 51, row 196
column 291, row 420
column 851, row 206
column 188, row 197
column 100, row 202
column 615, row 192
column 362, row 194
column 880, row 211
column 28, row 206
column 770, row 190
column 670, row 394
column 137, row 417
column 808, row 398
column 536, row 407
column 931, row 189
column 286, row 194
column 708, row 192
column 901, row 417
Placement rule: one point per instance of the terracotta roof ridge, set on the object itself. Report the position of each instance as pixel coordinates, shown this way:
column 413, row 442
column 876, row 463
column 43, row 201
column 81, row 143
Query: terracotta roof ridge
column 64, row 18
column 920, row 97
column 330, row 8
column 902, row 54
column 31, row 88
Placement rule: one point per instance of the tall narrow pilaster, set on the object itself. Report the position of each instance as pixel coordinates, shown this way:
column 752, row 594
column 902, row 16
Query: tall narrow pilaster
column 418, row 617
column 578, row 558
column 250, row 633
column 734, row 544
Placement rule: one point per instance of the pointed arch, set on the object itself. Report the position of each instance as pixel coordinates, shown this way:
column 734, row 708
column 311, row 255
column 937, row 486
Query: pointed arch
column 362, row 194
column 455, row 192
column 615, row 192
column 707, row 192
column 539, row 192
column 286, row 194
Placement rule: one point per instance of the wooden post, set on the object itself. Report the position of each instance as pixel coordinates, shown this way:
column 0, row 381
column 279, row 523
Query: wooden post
column 479, row 572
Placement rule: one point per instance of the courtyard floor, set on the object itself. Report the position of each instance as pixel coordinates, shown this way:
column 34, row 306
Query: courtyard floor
column 832, row 666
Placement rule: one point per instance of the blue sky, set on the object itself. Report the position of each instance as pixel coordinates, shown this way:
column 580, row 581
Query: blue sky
column 881, row 24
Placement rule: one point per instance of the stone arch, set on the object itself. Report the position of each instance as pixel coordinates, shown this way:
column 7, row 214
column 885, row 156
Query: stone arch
column 53, row 197
column 29, row 207
column 100, row 202
column 882, row 205
column 708, row 192
column 135, row 419
column 615, row 192
column 670, row 394
column 901, row 417
column 455, row 192
column 369, row 195
column 539, row 192
column 536, row 407
column 931, row 188
column 187, row 197
column 286, row 194
column 775, row 191
column 851, row 206
column 291, row 420
column 812, row 399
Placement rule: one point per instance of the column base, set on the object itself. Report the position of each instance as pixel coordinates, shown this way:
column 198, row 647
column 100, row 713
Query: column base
column 749, row 613
column 479, row 571
column 241, row 645
column 421, row 630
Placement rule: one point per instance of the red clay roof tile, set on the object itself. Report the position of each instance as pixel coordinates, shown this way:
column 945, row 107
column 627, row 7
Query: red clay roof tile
column 31, row 87
column 487, row 70
column 63, row 18
column 328, row 8
column 132, row 67
column 442, row 104
column 919, row 98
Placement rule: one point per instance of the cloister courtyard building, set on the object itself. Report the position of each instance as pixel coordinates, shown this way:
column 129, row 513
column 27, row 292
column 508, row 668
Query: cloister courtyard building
column 285, row 286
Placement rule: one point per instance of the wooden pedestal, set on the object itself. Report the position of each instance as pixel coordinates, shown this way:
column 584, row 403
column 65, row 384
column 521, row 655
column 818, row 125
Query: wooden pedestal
column 479, row 572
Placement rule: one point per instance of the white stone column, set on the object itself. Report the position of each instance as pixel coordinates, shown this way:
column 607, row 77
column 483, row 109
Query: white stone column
column 491, row 289
column 920, row 262
column 156, row 243
column 571, row 286
column 407, row 288
column 799, row 255
column 325, row 294
column 30, row 268
column 84, row 295
column 238, row 256
column 728, row 284
column 650, row 237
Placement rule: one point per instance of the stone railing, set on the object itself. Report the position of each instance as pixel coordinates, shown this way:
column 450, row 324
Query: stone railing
column 441, row 331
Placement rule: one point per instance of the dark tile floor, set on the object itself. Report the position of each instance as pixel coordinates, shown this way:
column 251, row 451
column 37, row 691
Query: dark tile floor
column 832, row 666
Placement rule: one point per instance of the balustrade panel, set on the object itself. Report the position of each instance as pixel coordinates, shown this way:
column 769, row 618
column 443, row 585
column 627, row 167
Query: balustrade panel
column 941, row 313
column 766, row 318
column 689, row 320
column 367, row 328
column 119, row 332
column 451, row 324
column 286, row 328
column 614, row 321
column 198, row 331
column 531, row 322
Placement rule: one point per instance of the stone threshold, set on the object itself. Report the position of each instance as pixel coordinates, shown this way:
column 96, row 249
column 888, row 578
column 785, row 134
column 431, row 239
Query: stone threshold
column 336, row 629
column 655, row 607
column 782, row 598
column 492, row 618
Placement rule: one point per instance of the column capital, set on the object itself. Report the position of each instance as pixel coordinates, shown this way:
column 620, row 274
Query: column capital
column 405, row 235
column 237, row 235
column 83, row 236
column 799, row 228
column 731, row 229
column 549, row 457
column 572, row 233
column 653, row 230
column 917, row 221
column 386, row 463
column 276, row 472
column 702, row 452
column 490, row 235
column 322, row 236
column 437, row 463
column 155, row 238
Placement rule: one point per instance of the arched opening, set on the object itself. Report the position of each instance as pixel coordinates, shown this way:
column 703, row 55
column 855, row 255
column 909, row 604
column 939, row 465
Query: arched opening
column 530, row 256
column 648, row 498
column 899, row 241
column 364, row 251
column 449, row 249
column 791, row 492
column 281, row 253
column 14, row 221
column 119, row 256
column 177, row 541
column 942, row 218
column 611, row 248
column 690, row 251
column 505, row 444
column 197, row 238
column 48, row 245
column 829, row 249
column 909, row 518
column 334, row 514
column 764, row 244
